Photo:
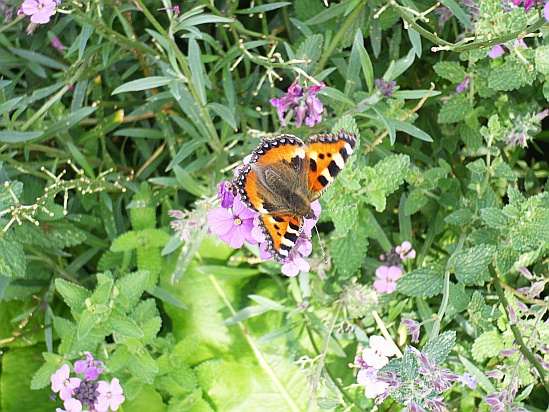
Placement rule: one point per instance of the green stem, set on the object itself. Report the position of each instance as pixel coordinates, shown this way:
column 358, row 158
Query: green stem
column 216, row 144
column 401, row 11
column 347, row 22
column 516, row 332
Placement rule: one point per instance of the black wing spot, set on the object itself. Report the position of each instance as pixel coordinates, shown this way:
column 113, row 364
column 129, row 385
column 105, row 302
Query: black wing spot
column 321, row 156
column 323, row 181
column 333, row 168
column 293, row 226
column 278, row 219
column 312, row 165
column 276, row 227
column 329, row 155
column 292, row 237
column 344, row 154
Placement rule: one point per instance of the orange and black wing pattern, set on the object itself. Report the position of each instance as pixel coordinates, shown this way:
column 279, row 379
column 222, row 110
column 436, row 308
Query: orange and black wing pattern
column 281, row 233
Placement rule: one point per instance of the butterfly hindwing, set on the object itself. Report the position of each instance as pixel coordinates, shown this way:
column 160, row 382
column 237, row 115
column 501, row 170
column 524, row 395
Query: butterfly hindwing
column 326, row 156
column 281, row 233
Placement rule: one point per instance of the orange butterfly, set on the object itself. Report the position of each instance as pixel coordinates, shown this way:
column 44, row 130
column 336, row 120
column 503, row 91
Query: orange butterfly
column 284, row 176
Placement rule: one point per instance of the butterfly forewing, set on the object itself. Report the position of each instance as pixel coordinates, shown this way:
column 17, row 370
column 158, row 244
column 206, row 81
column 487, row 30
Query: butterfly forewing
column 326, row 156
column 281, row 233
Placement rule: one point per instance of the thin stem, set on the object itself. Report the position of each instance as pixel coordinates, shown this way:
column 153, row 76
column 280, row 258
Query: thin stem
column 516, row 332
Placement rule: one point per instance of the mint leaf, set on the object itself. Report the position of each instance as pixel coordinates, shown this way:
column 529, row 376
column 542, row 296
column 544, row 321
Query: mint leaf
column 470, row 265
column 422, row 282
column 440, row 347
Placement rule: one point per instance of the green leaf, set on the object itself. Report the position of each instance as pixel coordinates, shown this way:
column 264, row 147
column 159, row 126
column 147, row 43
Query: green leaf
column 423, row 282
column 186, row 150
column 224, row 113
column 197, row 70
column 542, row 59
column 487, row 345
column 365, row 61
column 12, row 257
column 451, row 71
column 87, row 321
column 263, row 8
column 19, row 137
column 143, row 84
column 39, row 58
column 143, row 366
column 511, row 75
column 470, row 266
column 414, row 202
column 506, row 257
column 67, row 122
column 409, row 366
column 74, row 295
column 456, row 109
column 459, row 217
column 348, row 252
column 459, row 13
column 494, row 217
column 440, row 347
column 58, row 235
column 122, row 325
column 310, row 51
column 409, row 129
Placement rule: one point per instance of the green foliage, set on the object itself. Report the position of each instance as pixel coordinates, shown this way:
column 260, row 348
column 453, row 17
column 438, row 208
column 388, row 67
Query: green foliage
column 148, row 109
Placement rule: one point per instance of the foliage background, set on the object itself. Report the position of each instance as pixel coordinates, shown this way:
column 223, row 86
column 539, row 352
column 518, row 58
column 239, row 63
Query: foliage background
column 147, row 110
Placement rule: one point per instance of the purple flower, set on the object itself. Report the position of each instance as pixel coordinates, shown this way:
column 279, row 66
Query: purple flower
column 387, row 278
column 60, row 382
column 412, row 327
column 436, row 404
column 468, row 380
column 303, row 103
column 87, row 392
column 496, row 374
column 110, row 396
column 413, row 407
column 88, row 367
column 440, row 379
column 175, row 9
column 57, row 44
column 497, row 401
column 39, row 10
column 233, row 226
column 541, row 115
column 226, row 194
column 377, row 355
column 295, row 262
column 463, row 85
column 519, row 43
column 405, row 251
column 546, row 11
column 508, row 352
column 496, row 51
column 527, row 4
column 385, row 88
column 373, row 387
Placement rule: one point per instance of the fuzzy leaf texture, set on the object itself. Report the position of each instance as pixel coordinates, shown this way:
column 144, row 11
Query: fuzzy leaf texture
column 487, row 345
column 142, row 215
column 456, row 109
column 440, row 347
column 451, row 71
column 348, row 251
column 511, row 75
column 470, row 266
column 12, row 257
column 58, row 235
column 131, row 287
column 74, row 295
column 422, row 282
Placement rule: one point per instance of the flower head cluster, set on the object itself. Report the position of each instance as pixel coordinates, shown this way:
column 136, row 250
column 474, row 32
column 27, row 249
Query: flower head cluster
column 463, row 85
column 385, row 88
column 187, row 223
column 40, row 11
column 302, row 102
column 235, row 225
column 422, row 392
column 499, row 49
column 388, row 273
column 80, row 394
column 523, row 128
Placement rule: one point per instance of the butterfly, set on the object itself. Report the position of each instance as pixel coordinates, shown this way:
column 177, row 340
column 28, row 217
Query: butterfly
column 284, row 176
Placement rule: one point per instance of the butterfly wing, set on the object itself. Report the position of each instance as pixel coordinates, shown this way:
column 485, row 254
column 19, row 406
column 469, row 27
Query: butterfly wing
column 281, row 233
column 268, row 183
column 326, row 155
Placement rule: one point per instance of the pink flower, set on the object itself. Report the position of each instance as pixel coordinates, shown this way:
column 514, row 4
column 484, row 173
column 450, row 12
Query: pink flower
column 57, row 44
column 377, row 355
column 385, row 88
column 39, row 10
column 234, row 226
column 463, row 85
column 368, row 378
column 110, row 396
column 226, row 194
column 387, row 278
column 546, row 11
column 60, row 382
column 88, row 367
column 303, row 103
column 405, row 251
column 496, row 51
column 294, row 265
column 71, row 405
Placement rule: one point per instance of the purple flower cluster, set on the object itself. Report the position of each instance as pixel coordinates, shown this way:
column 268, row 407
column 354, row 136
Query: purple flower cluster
column 422, row 393
column 40, row 11
column 390, row 271
column 524, row 128
column 77, row 393
column 385, row 88
column 302, row 102
column 235, row 225
column 529, row 3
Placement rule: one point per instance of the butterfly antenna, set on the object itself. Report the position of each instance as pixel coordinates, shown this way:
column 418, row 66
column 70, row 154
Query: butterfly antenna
column 321, row 246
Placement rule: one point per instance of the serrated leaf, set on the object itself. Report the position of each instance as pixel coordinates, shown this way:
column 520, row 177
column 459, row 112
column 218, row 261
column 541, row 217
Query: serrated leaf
column 132, row 286
column 394, row 169
column 87, row 321
column 459, row 217
column 414, row 202
column 504, row 171
column 505, row 259
column 12, row 257
column 422, row 282
column 186, row 347
column 348, row 252
column 455, row 109
column 484, row 236
column 494, row 217
column 470, row 265
column 451, row 71
column 542, row 59
column 143, row 366
column 470, row 136
column 73, row 295
column 487, row 345
column 42, row 377
column 458, row 299
column 207, row 372
column 310, row 51
column 123, row 325
column 409, row 366
column 440, row 347
column 511, row 75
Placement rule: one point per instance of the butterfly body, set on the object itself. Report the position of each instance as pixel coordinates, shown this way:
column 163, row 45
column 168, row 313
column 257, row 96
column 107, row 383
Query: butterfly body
column 284, row 176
